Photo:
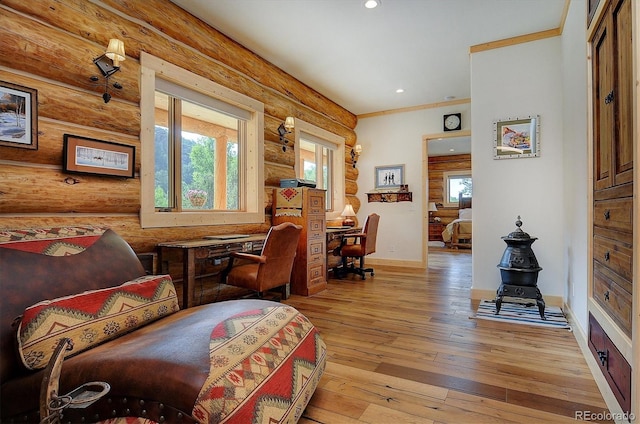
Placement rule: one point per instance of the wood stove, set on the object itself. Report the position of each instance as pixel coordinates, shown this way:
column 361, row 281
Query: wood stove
column 519, row 269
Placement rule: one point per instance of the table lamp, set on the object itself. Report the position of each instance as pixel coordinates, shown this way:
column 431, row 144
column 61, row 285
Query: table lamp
column 432, row 208
column 348, row 213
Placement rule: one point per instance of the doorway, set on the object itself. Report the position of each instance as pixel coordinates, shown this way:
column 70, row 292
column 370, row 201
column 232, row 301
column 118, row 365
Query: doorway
column 449, row 154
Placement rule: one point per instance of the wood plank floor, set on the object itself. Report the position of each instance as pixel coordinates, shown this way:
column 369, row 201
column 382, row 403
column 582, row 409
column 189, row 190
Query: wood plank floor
column 402, row 348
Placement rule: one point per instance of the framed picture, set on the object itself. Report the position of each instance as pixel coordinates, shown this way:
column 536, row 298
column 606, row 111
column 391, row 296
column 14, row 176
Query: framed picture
column 18, row 116
column 389, row 177
column 516, row 137
column 90, row 156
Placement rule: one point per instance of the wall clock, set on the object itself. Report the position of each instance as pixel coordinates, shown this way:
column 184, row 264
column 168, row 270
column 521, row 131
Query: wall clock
column 452, row 122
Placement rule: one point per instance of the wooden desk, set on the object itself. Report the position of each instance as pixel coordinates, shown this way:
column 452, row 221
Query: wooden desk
column 334, row 239
column 202, row 249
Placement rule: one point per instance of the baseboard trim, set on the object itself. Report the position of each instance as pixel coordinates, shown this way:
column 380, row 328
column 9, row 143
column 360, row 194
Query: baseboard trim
column 395, row 262
column 479, row 294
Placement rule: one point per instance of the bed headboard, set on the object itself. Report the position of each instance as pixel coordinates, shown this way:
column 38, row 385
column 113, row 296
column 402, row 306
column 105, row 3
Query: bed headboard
column 464, row 201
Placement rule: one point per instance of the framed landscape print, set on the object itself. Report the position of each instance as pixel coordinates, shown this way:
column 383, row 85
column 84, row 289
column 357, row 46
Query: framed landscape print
column 389, row 177
column 18, row 116
column 90, row 156
column 516, row 137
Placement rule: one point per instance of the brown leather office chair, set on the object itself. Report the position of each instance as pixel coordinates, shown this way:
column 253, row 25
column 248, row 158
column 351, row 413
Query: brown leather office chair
column 272, row 268
column 364, row 244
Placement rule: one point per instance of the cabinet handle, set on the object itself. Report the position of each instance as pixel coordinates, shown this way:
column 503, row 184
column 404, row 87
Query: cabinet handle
column 602, row 355
column 609, row 98
column 607, row 214
column 607, row 256
column 606, row 295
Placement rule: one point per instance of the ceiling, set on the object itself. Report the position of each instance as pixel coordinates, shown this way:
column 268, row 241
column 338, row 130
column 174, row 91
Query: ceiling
column 358, row 57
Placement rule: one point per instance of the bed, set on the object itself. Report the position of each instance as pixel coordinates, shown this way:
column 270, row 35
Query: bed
column 458, row 232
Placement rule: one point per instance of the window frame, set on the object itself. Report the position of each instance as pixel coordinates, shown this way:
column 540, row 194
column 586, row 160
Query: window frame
column 336, row 144
column 446, row 176
column 252, row 158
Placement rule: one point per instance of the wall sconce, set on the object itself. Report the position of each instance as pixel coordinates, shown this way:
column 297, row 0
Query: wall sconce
column 348, row 213
column 285, row 128
column 355, row 154
column 109, row 64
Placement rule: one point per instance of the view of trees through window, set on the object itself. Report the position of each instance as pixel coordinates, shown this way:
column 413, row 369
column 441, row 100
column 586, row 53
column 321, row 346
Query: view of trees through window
column 459, row 184
column 202, row 166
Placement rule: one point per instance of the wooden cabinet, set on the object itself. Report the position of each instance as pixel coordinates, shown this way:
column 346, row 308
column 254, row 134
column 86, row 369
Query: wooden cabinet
column 435, row 231
column 306, row 207
column 613, row 141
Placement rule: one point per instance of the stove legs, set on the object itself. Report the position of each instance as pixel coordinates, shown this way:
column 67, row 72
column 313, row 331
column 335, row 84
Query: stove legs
column 527, row 292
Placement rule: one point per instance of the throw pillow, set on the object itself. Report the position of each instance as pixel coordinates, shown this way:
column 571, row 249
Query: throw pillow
column 92, row 317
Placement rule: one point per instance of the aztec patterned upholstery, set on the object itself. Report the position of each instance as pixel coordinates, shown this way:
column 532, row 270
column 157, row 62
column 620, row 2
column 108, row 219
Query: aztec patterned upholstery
column 236, row 361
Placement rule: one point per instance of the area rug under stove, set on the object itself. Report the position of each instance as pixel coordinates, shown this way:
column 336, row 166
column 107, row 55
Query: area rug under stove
column 522, row 312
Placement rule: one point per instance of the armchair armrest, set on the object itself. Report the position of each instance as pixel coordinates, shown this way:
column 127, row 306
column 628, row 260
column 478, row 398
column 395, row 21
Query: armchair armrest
column 253, row 258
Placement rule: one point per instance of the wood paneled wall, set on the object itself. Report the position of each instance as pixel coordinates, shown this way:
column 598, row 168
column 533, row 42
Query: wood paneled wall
column 50, row 45
column 438, row 165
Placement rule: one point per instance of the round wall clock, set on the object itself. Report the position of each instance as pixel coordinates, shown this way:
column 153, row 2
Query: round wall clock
column 452, row 122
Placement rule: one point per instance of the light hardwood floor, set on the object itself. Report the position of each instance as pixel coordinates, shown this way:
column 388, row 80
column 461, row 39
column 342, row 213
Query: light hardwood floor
column 403, row 348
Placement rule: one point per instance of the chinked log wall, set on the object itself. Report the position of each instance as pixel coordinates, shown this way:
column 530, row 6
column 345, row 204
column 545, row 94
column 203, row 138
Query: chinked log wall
column 438, row 165
column 50, row 45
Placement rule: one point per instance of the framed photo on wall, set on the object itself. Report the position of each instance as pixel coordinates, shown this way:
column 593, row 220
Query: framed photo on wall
column 91, row 156
column 516, row 137
column 389, row 177
column 18, row 116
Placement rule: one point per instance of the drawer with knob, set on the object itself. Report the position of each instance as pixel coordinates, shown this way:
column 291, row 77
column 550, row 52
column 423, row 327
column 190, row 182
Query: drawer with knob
column 615, row 255
column 613, row 293
column 614, row 214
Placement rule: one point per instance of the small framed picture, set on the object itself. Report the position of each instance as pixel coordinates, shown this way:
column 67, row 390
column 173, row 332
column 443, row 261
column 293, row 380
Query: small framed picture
column 18, row 116
column 389, row 177
column 516, row 137
column 91, row 156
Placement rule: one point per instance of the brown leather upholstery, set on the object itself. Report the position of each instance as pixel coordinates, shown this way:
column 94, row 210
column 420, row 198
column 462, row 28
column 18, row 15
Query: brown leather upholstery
column 272, row 268
column 365, row 244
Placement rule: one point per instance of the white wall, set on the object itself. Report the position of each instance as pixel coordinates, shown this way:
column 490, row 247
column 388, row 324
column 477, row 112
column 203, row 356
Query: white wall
column 391, row 140
column 575, row 163
column 514, row 81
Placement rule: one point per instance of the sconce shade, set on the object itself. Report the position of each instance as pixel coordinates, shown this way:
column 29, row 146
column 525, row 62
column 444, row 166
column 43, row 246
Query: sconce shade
column 358, row 149
column 432, row 207
column 115, row 51
column 289, row 123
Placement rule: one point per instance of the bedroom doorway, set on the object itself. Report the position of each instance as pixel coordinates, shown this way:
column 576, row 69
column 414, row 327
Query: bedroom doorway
column 447, row 156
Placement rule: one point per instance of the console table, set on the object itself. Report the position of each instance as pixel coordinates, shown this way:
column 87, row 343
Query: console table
column 202, row 249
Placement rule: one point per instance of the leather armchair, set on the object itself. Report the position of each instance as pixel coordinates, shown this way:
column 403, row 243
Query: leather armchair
column 364, row 244
column 272, row 268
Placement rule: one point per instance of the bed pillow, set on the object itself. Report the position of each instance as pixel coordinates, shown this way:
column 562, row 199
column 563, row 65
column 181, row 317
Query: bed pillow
column 92, row 317
column 464, row 213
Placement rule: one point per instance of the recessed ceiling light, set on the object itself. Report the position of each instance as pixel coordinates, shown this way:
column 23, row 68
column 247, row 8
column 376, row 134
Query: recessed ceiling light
column 449, row 97
column 400, row 90
column 452, row 150
column 371, row 4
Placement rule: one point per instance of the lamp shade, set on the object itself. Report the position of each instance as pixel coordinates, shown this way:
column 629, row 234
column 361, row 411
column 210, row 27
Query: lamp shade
column 289, row 123
column 348, row 211
column 358, row 148
column 432, row 207
column 115, row 51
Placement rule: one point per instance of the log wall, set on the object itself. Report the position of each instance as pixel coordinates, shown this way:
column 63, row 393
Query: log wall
column 438, row 165
column 50, row 45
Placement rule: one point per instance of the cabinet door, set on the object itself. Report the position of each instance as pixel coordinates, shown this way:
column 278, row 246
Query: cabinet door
column 621, row 25
column 602, row 110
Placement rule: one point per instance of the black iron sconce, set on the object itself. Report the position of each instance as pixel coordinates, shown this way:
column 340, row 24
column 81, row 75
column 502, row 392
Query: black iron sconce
column 286, row 128
column 355, row 154
column 109, row 64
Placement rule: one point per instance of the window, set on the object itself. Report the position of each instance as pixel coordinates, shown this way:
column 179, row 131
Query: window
column 456, row 182
column 201, row 150
column 320, row 158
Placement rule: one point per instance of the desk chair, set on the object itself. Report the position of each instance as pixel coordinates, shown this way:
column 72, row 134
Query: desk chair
column 272, row 268
column 364, row 244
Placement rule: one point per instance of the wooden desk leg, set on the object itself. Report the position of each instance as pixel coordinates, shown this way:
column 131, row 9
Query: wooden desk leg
column 188, row 277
